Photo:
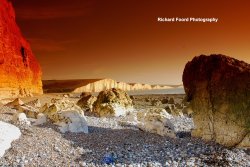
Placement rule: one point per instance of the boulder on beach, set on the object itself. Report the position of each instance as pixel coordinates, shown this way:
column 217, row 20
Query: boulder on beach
column 72, row 121
column 15, row 104
column 34, row 103
column 43, row 108
column 31, row 112
column 156, row 102
column 85, row 94
column 31, row 108
column 8, row 133
column 41, row 119
column 218, row 89
column 156, row 121
column 86, row 102
column 178, row 106
column 66, row 114
column 20, row 118
column 165, row 101
column 171, row 100
column 112, row 102
column 61, row 105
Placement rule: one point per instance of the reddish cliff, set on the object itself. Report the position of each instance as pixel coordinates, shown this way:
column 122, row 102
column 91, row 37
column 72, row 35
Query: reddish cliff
column 20, row 73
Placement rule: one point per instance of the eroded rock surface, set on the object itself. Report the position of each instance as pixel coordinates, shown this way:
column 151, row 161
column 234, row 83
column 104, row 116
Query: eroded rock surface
column 218, row 88
column 86, row 102
column 112, row 102
column 62, row 112
column 67, row 115
column 159, row 121
column 19, row 70
column 156, row 121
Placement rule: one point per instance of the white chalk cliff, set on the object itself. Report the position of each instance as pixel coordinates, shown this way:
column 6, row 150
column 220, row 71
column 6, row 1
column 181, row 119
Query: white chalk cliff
column 95, row 85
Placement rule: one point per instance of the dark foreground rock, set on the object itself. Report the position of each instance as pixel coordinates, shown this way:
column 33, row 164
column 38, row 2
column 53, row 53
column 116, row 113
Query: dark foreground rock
column 218, row 88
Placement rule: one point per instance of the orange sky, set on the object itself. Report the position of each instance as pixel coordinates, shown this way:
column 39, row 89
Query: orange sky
column 123, row 40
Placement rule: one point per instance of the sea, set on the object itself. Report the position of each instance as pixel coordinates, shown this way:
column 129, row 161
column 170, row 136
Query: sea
column 157, row 91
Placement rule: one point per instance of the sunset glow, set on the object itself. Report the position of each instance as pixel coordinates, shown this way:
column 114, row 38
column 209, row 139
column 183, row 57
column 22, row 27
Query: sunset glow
column 123, row 39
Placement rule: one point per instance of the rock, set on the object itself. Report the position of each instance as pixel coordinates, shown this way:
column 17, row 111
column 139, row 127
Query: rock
column 171, row 100
column 82, row 164
column 66, row 114
column 54, row 100
column 178, row 106
column 185, row 102
column 218, row 89
column 72, row 121
column 8, row 133
column 173, row 110
column 156, row 102
column 168, row 109
column 61, row 105
column 44, row 108
column 152, row 120
column 35, row 103
column 66, row 95
column 31, row 112
column 187, row 111
column 86, row 102
column 15, row 104
column 164, row 101
column 112, row 102
column 21, row 118
column 41, row 119
column 132, row 97
column 19, row 70
column 156, row 121
column 147, row 99
column 85, row 94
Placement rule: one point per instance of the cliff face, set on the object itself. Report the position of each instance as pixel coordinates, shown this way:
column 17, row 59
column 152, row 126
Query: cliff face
column 97, row 86
column 218, row 88
column 105, row 84
column 19, row 70
column 94, row 85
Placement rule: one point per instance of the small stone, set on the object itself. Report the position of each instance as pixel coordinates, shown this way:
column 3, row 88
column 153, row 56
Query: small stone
column 82, row 164
column 57, row 149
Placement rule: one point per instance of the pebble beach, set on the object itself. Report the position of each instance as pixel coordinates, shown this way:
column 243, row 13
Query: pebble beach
column 109, row 143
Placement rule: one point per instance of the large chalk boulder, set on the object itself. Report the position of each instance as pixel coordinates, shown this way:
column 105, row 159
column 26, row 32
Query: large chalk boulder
column 72, row 121
column 67, row 115
column 218, row 88
column 112, row 102
column 8, row 133
column 159, row 121
column 156, row 121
